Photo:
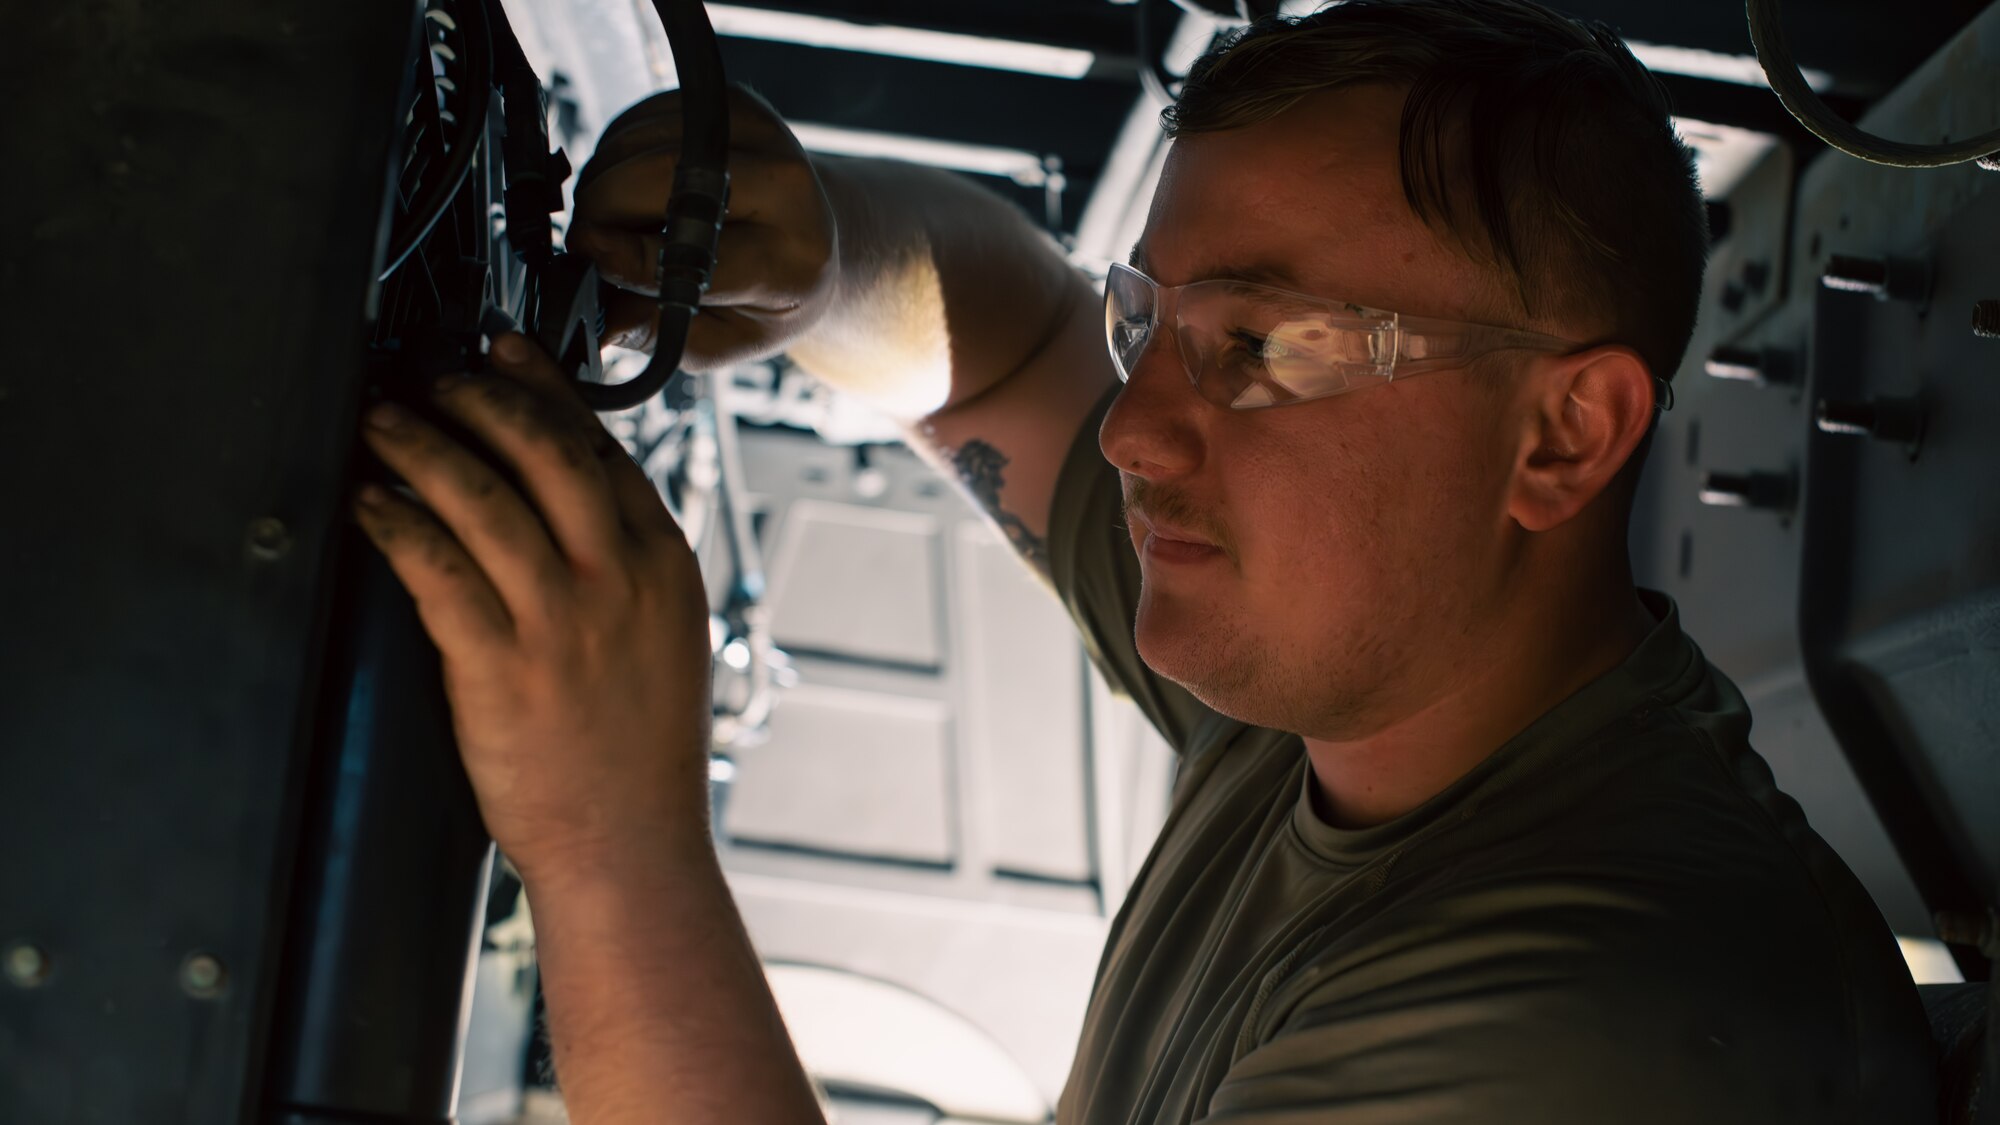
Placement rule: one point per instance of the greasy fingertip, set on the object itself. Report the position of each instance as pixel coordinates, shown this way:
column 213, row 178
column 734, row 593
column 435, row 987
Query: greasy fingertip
column 510, row 348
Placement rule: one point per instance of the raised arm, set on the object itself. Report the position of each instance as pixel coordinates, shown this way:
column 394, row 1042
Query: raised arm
column 911, row 287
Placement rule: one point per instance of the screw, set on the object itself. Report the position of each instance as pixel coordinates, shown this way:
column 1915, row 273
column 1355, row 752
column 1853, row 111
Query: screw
column 1887, row 419
column 268, row 539
column 1986, row 319
column 27, row 965
column 1756, row 275
column 202, row 976
column 1885, row 279
column 1746, row 490
column 1733, row 297
column 1750, row 365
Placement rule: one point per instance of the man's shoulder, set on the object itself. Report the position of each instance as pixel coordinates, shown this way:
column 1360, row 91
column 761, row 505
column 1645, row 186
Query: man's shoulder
column 1635, row 909
column 1566, row 989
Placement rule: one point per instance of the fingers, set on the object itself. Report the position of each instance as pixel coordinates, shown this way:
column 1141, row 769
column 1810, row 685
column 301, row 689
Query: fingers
column 717, row 337
column 484, row 514
column 775, row 242
column 460, row 609
column 755, row 129
column 556, row 447
column 634, row 501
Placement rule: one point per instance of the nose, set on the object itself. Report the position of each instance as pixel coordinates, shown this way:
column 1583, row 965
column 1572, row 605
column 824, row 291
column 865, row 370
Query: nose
column 1153, row 427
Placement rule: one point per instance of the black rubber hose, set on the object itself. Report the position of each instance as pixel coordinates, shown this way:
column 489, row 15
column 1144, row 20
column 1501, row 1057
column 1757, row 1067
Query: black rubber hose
column 1767, row 34
column 477, row 89
column 694, row 208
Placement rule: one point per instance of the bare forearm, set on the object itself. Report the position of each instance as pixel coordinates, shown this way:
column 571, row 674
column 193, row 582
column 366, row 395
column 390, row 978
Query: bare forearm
column 658, row 1008
column 945, row 289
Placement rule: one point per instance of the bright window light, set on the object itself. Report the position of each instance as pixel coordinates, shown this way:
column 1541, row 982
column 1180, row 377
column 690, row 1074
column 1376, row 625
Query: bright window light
column 1744, row 70
column 1022, row 167
column 902, row 42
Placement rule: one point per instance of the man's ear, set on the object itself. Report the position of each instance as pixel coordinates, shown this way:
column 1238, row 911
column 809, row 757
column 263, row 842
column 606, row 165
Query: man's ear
column 1589, row 411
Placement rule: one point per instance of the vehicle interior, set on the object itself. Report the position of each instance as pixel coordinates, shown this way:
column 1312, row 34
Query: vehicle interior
column 242, row 875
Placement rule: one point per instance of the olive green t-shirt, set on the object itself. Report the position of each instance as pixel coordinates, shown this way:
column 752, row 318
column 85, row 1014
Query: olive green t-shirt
column 1617, row 917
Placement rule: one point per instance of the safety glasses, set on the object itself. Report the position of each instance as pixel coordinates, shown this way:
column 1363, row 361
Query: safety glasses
column 1249, row 346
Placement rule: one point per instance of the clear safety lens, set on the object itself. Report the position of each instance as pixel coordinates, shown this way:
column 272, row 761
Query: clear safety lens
column 1131, row 309
column 1248, row 346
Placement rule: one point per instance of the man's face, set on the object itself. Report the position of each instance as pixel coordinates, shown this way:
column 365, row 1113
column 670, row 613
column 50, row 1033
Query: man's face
column 1360, row 540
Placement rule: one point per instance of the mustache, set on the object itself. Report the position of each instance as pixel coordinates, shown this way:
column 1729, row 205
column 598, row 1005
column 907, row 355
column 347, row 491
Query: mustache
column 1171, row 505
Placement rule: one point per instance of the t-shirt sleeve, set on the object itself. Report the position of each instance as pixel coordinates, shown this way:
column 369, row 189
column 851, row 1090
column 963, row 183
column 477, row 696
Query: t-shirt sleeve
column 1097, row 576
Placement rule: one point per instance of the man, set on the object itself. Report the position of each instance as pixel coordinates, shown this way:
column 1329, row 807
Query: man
column 1465, row 830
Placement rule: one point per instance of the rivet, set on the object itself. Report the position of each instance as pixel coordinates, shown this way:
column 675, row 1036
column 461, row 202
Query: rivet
column 203, row 977
column 268, row 539
column 26, row 965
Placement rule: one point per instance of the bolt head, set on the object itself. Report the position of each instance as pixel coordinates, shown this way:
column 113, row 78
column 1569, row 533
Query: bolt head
column 1986, row 319
column 203, row 976
column 26, row 966
column 268, row 538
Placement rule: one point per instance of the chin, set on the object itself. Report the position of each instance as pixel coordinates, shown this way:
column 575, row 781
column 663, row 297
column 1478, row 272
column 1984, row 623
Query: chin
column 1234, row 673
column 1202, row 653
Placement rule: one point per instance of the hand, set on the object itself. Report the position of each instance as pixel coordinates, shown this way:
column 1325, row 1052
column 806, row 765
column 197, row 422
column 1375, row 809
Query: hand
column 568, row 608
column 776, row 263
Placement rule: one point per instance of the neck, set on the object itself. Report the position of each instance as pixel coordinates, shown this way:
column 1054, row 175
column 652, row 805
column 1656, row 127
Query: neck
column 1551, row 642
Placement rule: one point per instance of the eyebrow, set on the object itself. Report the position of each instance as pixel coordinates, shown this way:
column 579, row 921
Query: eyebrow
column 1255, row 274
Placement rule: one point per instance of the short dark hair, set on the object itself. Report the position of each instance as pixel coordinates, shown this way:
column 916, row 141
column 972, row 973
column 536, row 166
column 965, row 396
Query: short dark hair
column 1535, row 141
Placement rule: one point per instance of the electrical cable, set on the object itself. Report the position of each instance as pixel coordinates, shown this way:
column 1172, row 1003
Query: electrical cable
column 477, row 86
column 695, row 208
column 1767, row 35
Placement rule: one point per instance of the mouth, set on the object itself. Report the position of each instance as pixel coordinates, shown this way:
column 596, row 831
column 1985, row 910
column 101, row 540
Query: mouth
column 1173, row 544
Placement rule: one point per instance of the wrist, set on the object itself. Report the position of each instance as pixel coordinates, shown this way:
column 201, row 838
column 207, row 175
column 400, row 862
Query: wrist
column 675, row 850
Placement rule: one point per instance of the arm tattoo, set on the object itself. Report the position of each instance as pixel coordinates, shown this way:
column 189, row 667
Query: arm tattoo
column 979, row 465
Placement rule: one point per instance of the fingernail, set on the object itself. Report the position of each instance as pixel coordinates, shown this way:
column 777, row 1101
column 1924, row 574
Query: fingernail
column 371, row 496
column 388, row 417
column 510, row 348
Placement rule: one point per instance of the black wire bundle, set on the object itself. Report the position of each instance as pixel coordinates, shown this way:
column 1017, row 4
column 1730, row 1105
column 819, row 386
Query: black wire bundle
column 439, row 192
column 694, row 208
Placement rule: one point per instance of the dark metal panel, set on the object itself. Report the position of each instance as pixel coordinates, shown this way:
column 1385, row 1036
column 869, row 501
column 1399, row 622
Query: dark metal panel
column 1736, row 572
column 195, row 205
column 1898, row 611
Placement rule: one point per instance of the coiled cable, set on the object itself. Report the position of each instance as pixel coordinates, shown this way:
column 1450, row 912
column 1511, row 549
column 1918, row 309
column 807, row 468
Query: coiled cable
column 1767, row 34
